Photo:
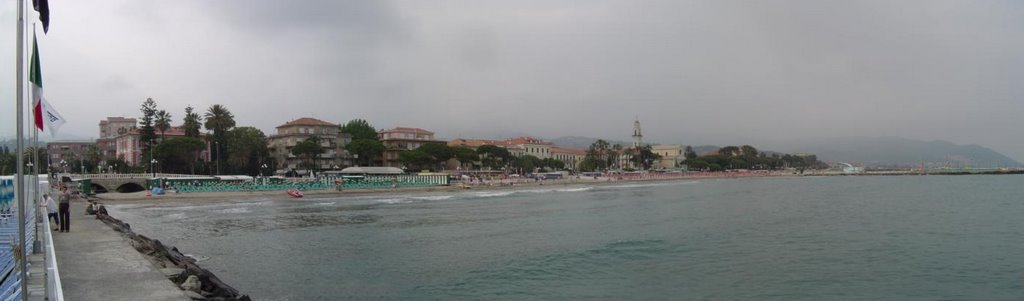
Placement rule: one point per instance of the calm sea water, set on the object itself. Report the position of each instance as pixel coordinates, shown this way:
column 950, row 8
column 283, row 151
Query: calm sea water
column 814, row 238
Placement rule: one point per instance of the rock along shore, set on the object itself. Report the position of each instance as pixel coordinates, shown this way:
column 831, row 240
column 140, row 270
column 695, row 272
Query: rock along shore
column 198, row 283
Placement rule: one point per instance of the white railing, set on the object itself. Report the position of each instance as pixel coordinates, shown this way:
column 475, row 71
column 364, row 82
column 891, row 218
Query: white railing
column 54, row 290
column 131, row 175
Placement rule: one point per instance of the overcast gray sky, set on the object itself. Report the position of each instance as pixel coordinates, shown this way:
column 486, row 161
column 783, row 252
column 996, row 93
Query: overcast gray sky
column 696, row 72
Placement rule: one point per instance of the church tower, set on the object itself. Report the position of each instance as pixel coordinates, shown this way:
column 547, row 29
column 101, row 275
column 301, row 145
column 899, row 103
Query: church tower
column 638, row 137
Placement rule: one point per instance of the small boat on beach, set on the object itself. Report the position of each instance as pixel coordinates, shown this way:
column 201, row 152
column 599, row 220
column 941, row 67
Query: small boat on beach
column 295, row 193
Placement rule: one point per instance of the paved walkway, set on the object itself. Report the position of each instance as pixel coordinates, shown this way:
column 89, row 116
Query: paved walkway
column 96, row 263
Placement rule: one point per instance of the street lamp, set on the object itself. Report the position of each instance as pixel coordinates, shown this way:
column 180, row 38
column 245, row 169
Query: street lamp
column 356, row 157
column 110, row 169
column 217, row 155
column 262, row 167
column 64, row 164
column 115, row 166
column 152, row 160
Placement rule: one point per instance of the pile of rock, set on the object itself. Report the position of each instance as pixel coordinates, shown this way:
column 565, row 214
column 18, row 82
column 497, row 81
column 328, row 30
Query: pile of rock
column 198, row 283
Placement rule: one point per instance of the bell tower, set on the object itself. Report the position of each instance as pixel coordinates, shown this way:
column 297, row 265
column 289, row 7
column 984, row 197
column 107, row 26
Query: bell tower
column 638, row 137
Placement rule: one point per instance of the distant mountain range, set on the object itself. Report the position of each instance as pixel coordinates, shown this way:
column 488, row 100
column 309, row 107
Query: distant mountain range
column 863, row 151
column 894, row 151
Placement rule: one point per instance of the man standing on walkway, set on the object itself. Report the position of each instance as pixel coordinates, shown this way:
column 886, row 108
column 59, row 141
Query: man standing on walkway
column 51, row 209
column 64, row 210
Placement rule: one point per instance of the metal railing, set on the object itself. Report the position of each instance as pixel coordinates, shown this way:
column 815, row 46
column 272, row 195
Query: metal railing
column 54, row 289
column 130, row 176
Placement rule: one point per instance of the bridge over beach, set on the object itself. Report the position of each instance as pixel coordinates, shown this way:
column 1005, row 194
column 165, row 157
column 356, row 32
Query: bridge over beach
column 120, row 182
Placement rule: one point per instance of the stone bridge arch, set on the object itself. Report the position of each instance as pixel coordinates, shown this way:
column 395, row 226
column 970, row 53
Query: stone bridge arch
column 122, row 185
column 130, row 187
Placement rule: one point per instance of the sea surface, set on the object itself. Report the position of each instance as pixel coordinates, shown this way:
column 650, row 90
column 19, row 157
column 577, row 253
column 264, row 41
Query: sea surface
column 808, row 238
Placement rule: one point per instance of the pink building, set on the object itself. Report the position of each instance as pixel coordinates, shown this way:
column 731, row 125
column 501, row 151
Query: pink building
column 129, row 147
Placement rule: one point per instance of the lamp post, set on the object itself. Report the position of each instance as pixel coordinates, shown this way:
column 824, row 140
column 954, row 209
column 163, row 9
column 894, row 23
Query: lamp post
column 115, row 167
column 110, row 169
column 356, row 157
column 217, row 155
column 151, row 159
column 64, row 165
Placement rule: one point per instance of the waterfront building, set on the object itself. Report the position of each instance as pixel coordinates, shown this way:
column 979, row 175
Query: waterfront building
column 128, row 147
column 524, row 145
column 109, row 130
column 69, row 152
column 474, row 143
column 294, row 132
column 114, row 126
column 402, row 139
column 672, row 155
column 570, row 156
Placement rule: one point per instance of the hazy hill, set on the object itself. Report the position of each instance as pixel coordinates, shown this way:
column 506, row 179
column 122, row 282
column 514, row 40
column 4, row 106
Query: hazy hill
column 583, row 142
column 893, row 151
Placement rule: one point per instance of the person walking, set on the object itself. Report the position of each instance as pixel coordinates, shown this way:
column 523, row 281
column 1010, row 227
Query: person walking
column 51, row 210
column 64, row 210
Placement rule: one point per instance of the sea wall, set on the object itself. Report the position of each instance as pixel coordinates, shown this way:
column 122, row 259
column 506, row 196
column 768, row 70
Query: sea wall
column 176, row 266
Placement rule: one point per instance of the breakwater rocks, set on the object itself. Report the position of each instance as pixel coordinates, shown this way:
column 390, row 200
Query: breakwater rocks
column 197, row 282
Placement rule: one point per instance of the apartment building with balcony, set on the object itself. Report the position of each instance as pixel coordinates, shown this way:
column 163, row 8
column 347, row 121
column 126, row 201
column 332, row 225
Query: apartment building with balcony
column 401, row 139
column 110, row 128
column 296, row 131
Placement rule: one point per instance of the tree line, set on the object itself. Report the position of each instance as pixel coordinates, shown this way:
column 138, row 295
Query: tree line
column 748, row 157
column 601, row 155
column 9, row 159
column 233, row 150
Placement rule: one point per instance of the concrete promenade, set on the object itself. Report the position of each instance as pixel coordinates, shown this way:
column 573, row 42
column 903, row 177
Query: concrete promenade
column 96, row 263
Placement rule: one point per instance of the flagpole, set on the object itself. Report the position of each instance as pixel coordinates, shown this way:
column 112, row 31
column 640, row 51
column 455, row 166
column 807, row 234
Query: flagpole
column 20, row 147
column 36, row 244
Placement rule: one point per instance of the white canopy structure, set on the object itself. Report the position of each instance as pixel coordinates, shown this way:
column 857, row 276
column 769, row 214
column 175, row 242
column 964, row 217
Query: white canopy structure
column 358, row 170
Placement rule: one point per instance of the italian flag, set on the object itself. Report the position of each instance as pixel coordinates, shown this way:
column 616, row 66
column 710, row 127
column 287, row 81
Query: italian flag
column 45, row 115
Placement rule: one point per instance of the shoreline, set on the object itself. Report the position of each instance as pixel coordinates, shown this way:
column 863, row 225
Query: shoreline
column 135, row 197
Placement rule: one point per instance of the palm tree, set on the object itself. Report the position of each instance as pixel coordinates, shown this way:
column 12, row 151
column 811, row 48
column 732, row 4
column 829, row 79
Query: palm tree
column 191, row 123
column 219, row 120
column 162, row 122
column 614, row 155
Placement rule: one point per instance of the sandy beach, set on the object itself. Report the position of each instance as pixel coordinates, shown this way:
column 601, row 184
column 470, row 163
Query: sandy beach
column 141, row 196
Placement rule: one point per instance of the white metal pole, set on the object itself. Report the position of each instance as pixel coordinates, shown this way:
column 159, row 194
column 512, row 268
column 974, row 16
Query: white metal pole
column 20, row 147
column 37, row 243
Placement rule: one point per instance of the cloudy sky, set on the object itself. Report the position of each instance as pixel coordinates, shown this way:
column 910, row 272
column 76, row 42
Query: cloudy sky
column 696, row 72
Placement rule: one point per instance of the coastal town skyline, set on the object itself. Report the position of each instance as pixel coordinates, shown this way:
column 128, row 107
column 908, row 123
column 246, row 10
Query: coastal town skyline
column 506, row 69
column 522, row 150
